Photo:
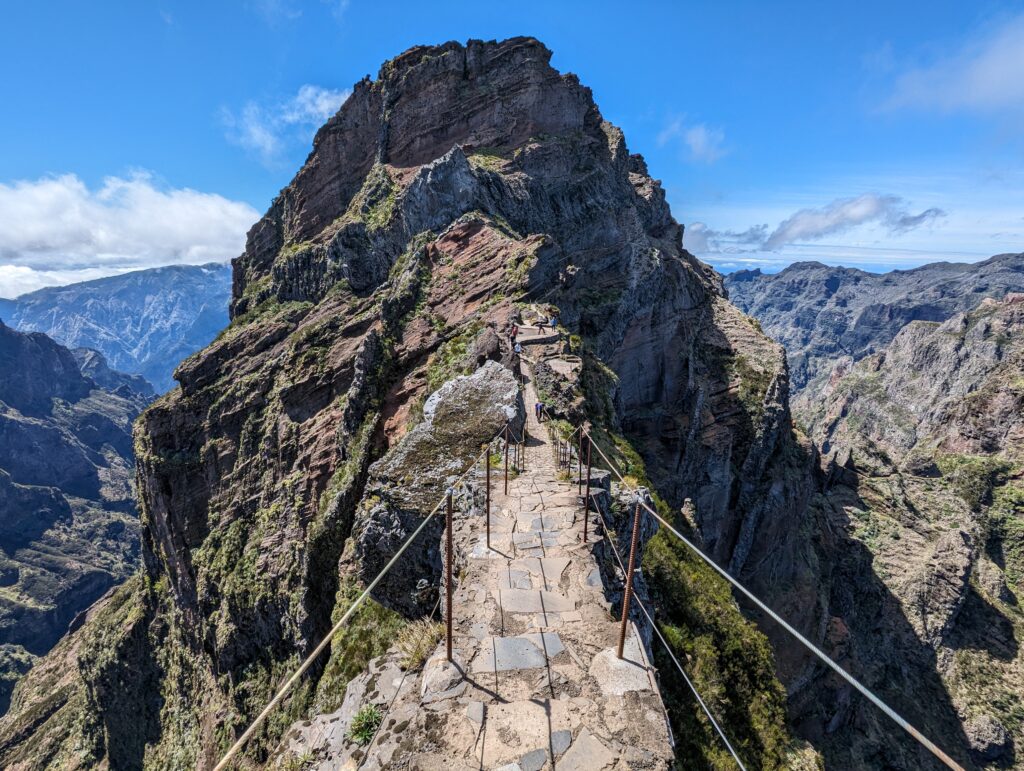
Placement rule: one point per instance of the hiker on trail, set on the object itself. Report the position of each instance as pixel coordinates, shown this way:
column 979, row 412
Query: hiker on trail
column 518, row 349
column 513, row 333
column 538, row 408
column 554, row 322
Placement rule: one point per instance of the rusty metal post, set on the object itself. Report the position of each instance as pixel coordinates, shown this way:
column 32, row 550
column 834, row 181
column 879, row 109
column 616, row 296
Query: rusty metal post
column 449, row 558
column 586, row 498
column 579, row 465
column 506, row 459
column 487, row 474
column 629, row 577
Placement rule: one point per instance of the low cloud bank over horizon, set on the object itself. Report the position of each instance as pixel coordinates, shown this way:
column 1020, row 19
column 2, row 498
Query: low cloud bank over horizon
column 56, row 230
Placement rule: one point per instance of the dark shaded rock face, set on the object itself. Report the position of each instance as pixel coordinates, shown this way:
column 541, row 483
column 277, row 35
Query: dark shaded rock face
column 822, row 314
column 923, row 448
column 68, row 530
column 144, row 322
column 461, row 185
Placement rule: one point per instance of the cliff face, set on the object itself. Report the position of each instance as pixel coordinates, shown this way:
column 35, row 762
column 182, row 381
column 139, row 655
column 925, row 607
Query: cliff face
column 461, row 187
column 823, row 314
column 143, row 322
column 68, row 530
column 924, row 446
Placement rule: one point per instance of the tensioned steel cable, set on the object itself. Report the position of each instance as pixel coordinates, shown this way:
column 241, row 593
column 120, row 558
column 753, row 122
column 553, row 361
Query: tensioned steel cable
column 668, row 649
column 283, row 690
column 895, row 716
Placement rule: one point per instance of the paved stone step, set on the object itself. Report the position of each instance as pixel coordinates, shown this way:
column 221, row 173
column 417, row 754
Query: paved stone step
column 528, row 651
column 533, row 601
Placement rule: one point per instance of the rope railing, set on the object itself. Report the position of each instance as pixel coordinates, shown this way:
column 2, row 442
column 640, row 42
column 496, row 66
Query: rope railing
column 668, row 649
column 326, row 641
column 885, row 708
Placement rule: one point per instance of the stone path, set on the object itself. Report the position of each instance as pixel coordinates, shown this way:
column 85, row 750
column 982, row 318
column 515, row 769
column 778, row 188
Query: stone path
column 536, row 682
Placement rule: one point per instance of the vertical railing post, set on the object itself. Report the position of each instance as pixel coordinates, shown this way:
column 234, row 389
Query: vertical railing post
column 487, row 508
column 506, row 459
column 586, row 498
column 629, row 577
column 449, row 558
column 579, row 466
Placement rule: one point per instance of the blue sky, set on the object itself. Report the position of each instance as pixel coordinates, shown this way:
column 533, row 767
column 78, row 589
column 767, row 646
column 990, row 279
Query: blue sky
column 877, row 134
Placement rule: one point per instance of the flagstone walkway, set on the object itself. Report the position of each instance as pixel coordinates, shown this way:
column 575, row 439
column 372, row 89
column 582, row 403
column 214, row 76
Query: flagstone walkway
column 536, row 683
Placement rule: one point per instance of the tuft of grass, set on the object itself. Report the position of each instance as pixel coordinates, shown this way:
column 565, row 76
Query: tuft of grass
column 417, row 641
column 365, row 724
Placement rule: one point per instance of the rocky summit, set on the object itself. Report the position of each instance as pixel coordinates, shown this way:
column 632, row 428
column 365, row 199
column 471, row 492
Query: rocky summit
column 68, row 528
column 369, row 356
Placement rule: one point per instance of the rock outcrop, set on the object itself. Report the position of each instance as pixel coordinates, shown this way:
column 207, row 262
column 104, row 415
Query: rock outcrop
column 143, row 323
column 68, row 530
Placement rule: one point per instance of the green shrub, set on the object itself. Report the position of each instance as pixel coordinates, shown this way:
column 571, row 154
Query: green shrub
column 365, row 724
column 974, row 477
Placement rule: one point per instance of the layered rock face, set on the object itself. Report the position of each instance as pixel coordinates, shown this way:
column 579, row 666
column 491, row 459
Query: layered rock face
column 461, row 185
column 924, row 447
column 143, row 323
column 824, row 314
column 68, row 529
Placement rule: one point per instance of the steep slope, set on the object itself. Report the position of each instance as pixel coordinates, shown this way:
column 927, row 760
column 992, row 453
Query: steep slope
column 144, row 323
column 924, row 445
column 68, row 530
column 822, row 314
column 462, row 182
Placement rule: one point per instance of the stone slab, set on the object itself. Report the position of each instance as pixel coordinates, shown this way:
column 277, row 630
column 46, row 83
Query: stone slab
column 587, row 753
column 533, row 601
column 529, row 651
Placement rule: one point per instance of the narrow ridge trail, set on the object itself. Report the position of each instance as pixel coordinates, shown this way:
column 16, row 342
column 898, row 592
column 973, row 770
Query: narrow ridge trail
column 536, row 683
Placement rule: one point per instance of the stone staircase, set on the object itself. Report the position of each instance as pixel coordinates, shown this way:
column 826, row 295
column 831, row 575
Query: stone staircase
column 535, row 683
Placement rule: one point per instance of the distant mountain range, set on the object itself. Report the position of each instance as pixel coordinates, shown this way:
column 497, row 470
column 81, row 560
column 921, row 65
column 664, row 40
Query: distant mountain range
column 822, row 314
column 144, row 323
column 68, row 523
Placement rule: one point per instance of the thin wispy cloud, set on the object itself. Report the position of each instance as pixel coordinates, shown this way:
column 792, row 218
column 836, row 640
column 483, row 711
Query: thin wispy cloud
column 275, row 12
column 890, row 212
column 56, row 229
column 985, row 74
column 278, row 12
column 844, row 214
column 269, row 131
column 702, row 143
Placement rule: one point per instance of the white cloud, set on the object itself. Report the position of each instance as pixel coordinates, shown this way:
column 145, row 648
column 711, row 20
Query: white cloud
column 703, row 143
column 844, row 214
column 985, row 74
column 700, row 239
column 887, row 212
column 56, row 229
column 268, row 131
